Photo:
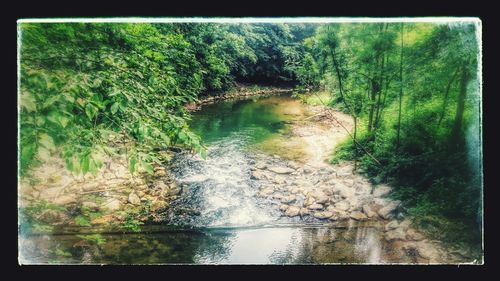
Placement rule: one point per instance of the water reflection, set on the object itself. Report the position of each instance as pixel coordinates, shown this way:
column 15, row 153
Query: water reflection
column 264, row 245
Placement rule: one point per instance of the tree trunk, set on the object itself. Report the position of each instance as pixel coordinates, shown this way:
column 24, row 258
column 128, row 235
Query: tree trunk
column 457, row 124
column 446, row 94
column 398, row 136
column 355, row 146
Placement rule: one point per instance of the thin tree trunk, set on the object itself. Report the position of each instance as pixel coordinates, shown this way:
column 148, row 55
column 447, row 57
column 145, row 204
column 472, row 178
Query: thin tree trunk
column 457, row 124
column 355, row 146
column 400, row 89
column 446, row 94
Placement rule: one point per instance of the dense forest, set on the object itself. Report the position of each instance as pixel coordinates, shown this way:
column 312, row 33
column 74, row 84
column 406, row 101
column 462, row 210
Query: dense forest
column 412, row 89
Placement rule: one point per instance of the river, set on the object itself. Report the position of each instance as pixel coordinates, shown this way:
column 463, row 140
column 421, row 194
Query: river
column 228, row 221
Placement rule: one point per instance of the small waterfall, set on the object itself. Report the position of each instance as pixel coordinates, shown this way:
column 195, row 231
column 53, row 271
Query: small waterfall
column 368, row 245
column 220, row 187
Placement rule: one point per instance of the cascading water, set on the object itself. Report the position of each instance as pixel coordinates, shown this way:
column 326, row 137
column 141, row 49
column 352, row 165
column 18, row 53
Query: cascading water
column 221, row 188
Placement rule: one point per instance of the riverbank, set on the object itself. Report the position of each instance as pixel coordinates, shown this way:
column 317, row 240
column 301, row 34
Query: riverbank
column 240, row 91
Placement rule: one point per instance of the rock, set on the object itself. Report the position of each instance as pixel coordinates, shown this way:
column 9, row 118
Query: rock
column 387, row 212
column 320, row 197
column 292, row 211
column 304, row 212
column 52, row 216
column 91, row 186
column 381, row 190
column 358, row 216
column 142, row 187
column 427, row 251
column 266, row 191
column 50, row 193
column 65, row 199
column 112, row 204
column 288, row 199
column 283, row 207
column 344, row 191
column 369, row 212
column 323, row 215
column 391, row 225
column 315, row 206
column 134, row 199
column 405, row 224
column 294, row 190
column 158, row 204
column 174, row 191
column 258, row 175
column 395, row 234
column 281, row 170
column 294, row 165
column 261, row 165
column 342, row 205
column 412, row 234
column 90, row 205
column 309, row 201
column 103, row 220
column 307, row 170
column 160, row 173
column 160, row 185
column 278, row 180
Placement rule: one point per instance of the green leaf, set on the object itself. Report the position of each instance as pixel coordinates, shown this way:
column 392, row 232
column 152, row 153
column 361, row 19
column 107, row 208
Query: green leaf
column 90, row 110
column 114, row 107
column 46, row 141
column 84, row 163
column 132, row 164
column 28, row 102
column 147, row 167
column 43, row 153
column 50, row 101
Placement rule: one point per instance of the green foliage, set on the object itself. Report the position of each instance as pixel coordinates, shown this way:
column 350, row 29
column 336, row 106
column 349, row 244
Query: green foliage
column 83, row 84
column 430, row 159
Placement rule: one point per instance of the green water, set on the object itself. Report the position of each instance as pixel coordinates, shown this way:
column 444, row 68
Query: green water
column 250, row 121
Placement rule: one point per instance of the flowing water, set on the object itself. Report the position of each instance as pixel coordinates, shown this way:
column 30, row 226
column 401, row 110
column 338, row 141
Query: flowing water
column 230, row 223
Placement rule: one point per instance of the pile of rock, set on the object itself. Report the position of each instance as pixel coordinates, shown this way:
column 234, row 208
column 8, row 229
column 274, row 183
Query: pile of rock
column 331, row 193
column 111, row 190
